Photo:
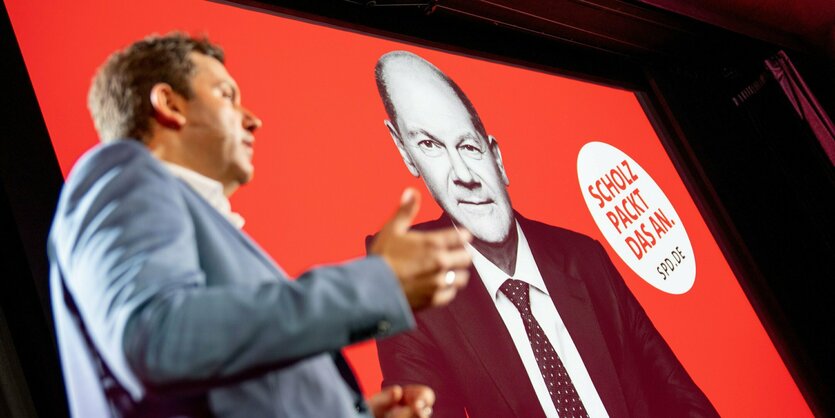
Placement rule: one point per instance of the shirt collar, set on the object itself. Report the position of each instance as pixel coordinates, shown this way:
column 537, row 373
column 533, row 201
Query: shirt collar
column 209, row 189
column 526, row 269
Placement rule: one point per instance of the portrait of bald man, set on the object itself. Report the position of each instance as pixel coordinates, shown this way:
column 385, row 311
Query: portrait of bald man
column 546, row 326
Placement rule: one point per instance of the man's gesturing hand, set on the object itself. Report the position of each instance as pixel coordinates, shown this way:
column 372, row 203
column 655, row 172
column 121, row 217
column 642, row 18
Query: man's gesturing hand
column 422, row 261
column 410, row 401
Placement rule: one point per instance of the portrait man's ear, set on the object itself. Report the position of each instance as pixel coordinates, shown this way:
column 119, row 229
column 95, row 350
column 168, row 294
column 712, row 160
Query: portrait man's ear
column 401, row 147
column 167, row 106
column 497, row 155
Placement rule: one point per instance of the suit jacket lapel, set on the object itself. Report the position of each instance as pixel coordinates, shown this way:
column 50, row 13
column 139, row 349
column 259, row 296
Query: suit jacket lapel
column 574, row 305
column 237, row 233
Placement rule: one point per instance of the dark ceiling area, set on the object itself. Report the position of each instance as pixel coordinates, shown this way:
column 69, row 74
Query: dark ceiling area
column 710, row 36
column 805, row 25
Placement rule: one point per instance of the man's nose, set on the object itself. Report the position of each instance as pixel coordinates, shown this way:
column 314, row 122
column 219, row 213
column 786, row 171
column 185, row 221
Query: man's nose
column 461, row 174
column 250, row 121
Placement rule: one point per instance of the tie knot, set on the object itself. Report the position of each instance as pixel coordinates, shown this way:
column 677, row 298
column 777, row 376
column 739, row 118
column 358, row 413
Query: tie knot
column 518, row 293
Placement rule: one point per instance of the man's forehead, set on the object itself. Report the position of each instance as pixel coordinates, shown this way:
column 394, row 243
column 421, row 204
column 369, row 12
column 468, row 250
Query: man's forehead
column 426, row 100
column 207, row 66
column 417, row 89
column 414, row 73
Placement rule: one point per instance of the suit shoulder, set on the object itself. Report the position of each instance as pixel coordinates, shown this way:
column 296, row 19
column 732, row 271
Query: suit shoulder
column 108, row 176
column 114, row 180
column 107, row 162
column 104, row 157
column 569, row 240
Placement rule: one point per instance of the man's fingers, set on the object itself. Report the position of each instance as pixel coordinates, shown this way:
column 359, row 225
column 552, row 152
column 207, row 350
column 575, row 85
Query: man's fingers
column 465, row 235
column 445, row 290
column 401, row 412
column 409, row 206
column 438, row 262
column 403, row 402
column 384, row 400
column 420, row 398
column 422, row 259
column 458, row 277
column 454, row 259
column 462, row 277
column 448, row 238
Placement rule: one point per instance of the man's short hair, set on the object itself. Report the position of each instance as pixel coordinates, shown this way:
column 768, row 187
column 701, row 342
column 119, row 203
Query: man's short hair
column 119, row 98
column 382, row 87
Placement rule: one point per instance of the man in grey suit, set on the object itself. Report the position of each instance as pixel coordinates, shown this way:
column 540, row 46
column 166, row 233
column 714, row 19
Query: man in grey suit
column 163, row 307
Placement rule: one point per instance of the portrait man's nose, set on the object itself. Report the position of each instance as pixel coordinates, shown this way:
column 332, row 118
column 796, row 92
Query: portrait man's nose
column 462, row 176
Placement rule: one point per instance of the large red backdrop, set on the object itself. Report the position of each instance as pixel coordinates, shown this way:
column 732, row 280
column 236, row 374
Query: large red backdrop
column 327, row 173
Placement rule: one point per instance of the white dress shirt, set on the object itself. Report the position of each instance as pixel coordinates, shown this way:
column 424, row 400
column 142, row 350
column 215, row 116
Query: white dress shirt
column 209, row 189
column 545, row 312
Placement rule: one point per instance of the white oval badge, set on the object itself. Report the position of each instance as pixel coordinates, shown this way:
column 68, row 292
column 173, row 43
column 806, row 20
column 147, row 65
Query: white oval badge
column 636, row 217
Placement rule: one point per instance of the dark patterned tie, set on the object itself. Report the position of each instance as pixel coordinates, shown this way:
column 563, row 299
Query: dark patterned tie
column 559, row 384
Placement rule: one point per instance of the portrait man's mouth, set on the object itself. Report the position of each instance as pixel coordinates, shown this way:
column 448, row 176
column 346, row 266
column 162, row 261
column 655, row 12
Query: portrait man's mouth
column 476, row 206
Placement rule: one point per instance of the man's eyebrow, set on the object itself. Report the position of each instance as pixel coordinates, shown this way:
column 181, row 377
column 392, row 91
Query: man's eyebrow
column 414, row 133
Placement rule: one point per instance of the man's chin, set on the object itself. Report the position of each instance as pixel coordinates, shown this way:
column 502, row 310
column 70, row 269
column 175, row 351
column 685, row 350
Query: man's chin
column 488, row 234
column 496, row 239
column 245, row 174
column 237, row 181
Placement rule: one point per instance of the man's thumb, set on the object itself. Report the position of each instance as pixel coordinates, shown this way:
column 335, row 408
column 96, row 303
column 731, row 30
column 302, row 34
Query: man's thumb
column 409, row 206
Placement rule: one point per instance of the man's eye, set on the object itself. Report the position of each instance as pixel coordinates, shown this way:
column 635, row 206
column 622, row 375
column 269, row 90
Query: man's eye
column 470, row 151
column 430, row 148
column 226, row 94
column 427, row 144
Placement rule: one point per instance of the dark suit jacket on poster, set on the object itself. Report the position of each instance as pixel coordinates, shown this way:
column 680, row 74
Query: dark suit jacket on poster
column 159, row 301
column 465, row 353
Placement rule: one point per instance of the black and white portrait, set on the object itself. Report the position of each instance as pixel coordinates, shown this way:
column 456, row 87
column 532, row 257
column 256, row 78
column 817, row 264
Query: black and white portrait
column 546, row 326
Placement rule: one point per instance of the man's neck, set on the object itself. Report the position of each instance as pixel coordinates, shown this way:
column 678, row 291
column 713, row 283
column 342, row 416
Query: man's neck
column 502, row 254
column 209, row 189
column 167, row 148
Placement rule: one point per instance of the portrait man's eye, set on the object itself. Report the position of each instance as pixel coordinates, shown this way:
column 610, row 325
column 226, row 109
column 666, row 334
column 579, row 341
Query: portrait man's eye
column 430, row 148
column 470, row 151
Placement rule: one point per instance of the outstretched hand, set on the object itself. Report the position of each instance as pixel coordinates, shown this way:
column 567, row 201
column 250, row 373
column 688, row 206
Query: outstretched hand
column 410, row 401
column 431, row 266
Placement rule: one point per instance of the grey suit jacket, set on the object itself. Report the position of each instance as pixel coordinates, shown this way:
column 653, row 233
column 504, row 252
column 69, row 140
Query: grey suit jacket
column 186, row 313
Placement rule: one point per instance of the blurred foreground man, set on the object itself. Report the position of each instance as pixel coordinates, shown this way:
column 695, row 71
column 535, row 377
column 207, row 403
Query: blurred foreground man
column 547, row 326
column 164, row 308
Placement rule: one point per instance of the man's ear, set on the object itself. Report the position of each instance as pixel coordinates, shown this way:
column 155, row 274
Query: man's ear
column 167, row 106
column 401, row 147
column 497, row 155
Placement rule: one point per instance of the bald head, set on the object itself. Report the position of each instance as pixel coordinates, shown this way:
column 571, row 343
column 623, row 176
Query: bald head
column 441, row 139
column 403, row 69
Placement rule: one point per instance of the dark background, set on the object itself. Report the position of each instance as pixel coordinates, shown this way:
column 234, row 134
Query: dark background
column 761, row 179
